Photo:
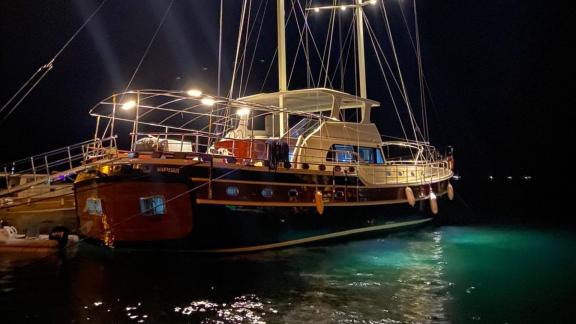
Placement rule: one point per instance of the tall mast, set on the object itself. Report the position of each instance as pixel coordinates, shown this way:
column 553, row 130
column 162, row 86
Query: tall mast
column 360, row 45
column 361, row 58
column 282, row 84
column 359, row 13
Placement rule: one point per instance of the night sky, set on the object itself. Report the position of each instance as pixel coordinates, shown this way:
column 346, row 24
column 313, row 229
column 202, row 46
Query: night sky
column 494, row 70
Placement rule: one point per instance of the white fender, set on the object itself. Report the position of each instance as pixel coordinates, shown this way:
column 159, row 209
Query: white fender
column 319, row 202
column 410, row 196
column 433, row 203
column 450, row 191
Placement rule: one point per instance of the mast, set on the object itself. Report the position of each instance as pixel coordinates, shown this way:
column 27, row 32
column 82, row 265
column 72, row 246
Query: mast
column 360, row 45
column 358, row 6
column 282, row 84
column 361, row 59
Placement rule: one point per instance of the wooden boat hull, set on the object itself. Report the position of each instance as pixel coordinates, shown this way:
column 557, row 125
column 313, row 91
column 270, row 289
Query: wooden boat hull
column 40, row 215
column 235, row 216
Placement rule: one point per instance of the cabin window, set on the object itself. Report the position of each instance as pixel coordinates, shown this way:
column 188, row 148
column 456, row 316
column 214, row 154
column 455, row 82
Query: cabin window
column 366, row 154
column 94, row 206
column 346, row 153
column 256, row 121
column 379, row 156
column 341, row 153
column 400, row 153
column 154, row 205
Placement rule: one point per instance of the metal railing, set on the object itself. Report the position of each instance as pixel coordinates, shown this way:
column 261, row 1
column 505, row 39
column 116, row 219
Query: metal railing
column 43, row 166
column 406, row 171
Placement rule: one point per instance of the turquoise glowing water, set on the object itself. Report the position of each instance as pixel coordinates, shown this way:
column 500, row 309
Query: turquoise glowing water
column 489, row 274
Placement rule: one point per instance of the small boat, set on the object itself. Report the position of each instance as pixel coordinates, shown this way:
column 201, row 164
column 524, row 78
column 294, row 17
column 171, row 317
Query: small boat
column 11, row 241
column 36, row 193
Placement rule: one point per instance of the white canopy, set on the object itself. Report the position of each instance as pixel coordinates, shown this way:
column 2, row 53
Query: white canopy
column 311, row 100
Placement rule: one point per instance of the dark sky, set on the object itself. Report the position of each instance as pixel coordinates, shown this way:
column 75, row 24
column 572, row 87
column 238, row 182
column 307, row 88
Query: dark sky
column 494, row 70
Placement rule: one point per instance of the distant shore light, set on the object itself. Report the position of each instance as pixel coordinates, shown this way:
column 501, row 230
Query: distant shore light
column 194, row 93
column 129, row 105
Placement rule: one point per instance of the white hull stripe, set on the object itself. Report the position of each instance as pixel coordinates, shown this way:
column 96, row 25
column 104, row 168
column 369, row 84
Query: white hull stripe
column 317, row 238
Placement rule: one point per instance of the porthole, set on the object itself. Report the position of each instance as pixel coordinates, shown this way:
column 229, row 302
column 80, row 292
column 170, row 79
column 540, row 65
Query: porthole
column 399, row 173
column 232, row 191
column 293, row 193
column 267, row 192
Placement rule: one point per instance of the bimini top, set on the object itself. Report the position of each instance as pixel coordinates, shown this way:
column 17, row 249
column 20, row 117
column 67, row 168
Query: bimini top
column 311, row 100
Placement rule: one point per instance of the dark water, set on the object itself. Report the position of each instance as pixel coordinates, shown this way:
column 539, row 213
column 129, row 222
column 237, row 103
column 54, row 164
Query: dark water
column 457, row 274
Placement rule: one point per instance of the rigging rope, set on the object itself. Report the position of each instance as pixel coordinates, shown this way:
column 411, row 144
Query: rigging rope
column 372, row 37
column 246, row 40
column 420, row 74
column 220, row 46
column 46, row 67
column 149, row 45
column 389, row 32
column 243, row 93
column 302, row 43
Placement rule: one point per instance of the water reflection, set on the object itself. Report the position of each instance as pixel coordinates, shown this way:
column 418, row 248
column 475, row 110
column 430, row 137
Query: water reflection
column 423, row 291
column 434, row 275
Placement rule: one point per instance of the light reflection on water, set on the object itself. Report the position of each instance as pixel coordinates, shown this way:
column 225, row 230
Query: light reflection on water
column 433, row 275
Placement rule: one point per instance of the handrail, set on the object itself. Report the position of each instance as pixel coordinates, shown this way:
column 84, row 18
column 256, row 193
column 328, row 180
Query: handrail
column 55, row 161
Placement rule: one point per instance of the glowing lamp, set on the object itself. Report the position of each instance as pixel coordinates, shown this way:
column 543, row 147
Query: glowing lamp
column 129, row 105
column 194, row 93
column 208, row 101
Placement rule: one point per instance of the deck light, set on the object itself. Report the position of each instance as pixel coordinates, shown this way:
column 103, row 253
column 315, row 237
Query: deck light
column 243, row 112
column 373, row 2
column 194, row 93
column 208, row 101
column 316, row 9
column 129, row 105
column 342, row 8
